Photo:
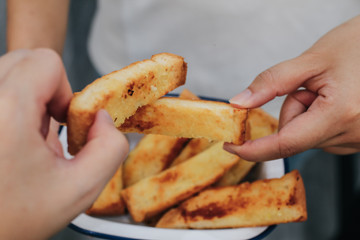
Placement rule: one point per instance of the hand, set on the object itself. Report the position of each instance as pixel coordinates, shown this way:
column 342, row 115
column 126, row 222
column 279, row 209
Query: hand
column 322, row 109
column 41, row 192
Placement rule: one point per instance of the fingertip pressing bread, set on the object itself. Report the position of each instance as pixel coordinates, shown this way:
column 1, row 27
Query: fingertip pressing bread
column 122, row 92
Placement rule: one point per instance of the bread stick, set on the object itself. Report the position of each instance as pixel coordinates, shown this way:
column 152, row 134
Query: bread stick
column 152, row 154
column 260, row 124
column 155, row 194
column 189, row 119
column 261, row 203
column 122, row 92
column 109, row 202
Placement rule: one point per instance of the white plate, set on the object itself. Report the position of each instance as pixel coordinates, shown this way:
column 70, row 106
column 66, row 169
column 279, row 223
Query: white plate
column 124, row 228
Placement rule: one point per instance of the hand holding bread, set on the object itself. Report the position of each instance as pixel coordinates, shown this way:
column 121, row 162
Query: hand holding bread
column 131, row 97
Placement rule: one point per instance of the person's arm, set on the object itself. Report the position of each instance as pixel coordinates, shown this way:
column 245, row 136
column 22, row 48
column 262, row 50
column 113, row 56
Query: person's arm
column 36, row 23
column 322, row 109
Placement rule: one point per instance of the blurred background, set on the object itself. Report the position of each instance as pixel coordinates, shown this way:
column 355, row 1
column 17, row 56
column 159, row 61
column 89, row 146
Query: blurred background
column 332, row 182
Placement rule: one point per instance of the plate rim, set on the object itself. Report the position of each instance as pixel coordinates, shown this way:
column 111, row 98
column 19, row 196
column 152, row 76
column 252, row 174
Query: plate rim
column 100, row 235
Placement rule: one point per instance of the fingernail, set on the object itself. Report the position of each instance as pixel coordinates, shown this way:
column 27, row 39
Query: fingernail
column 242, row 98
column 228, row 147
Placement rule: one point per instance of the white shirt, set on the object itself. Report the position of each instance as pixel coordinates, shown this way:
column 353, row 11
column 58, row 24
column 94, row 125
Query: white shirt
column 225, row 43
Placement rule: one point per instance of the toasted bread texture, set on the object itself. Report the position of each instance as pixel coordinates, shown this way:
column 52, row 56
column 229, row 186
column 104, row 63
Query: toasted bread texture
column 195, row 145
column 109, row 202
column 153, row 195
column 152, row 154
column 190, row 119
column 261, row 203
column 235, row 174
column 122, row 92
column 260, row 124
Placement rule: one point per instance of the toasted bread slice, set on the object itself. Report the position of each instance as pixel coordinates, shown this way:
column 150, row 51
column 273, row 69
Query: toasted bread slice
column 235, row 174
column 190, row 119
column 122, row 92
column 110, row 202
column 152, row 154
column 152, row 195
column 261, row 124
column 195, row 145
column 261, row 203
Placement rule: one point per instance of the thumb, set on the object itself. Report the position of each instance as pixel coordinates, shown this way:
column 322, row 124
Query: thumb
column 278, row 80
column 98, row 160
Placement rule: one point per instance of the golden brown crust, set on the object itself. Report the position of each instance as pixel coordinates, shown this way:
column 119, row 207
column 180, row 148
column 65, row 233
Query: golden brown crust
column 114, row 209
column 190, row 119
column 236, row 173
column 109, row 202
column 261, row 203
column 153, row 154
column 122, row 92
column 152, row 195
column 194, row 147
column 260, row 124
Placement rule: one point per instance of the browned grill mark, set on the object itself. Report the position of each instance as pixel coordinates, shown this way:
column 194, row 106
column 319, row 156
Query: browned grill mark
column 168, row 177
column 130, row 92
column 173, row 152
column 216, row 209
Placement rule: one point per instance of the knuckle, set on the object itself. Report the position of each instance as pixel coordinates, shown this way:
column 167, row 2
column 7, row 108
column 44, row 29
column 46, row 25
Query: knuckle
column 314, row 57
column 267, row 76
column 286, row 151
column 268, row 79
column 48, row 55
column 46, row 52
column 287, row 148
